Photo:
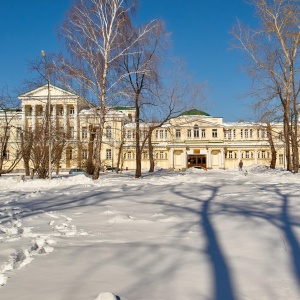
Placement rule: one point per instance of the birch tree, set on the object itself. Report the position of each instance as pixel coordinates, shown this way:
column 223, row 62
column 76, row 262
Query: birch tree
column 92, row 32
column 273, row 51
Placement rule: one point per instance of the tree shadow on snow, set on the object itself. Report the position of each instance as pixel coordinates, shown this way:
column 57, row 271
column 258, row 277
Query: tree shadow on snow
column 223, row 284
column 280, row 219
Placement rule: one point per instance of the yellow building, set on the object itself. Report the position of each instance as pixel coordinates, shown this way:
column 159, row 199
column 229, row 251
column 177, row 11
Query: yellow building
column 193, row 139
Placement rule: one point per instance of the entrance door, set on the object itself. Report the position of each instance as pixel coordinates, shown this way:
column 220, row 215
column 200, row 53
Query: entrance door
column 196, row 160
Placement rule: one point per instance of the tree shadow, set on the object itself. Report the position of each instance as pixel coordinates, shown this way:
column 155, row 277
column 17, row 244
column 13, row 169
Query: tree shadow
column 223, row 284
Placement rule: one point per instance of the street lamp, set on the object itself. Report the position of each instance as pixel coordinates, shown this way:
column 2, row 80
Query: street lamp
column 49, row 113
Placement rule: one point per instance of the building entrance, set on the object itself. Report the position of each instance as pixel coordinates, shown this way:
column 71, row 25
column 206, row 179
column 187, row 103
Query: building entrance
column 196, row 160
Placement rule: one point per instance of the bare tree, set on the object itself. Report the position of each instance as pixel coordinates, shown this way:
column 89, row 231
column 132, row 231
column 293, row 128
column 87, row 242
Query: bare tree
column 141, row 68
column 273, row 50
column 92, row 32
column 10, row 147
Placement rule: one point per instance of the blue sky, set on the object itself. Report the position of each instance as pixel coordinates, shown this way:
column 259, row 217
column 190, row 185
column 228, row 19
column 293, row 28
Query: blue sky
column 200, row 35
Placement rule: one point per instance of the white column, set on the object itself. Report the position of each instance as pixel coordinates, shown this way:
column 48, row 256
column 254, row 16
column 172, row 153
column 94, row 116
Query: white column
column 23, row 118
column 54, row 111
column 208, row 159
column 171, row 163
column 239, row 155
column 33, row 117
column 255, row 157
column 184, row 159
column 222, row 159
column 76, row 121
column 65, row 118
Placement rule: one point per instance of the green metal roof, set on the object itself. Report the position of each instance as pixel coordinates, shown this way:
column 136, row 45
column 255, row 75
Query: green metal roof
column 7, row 110
column 124, row 108
column 195, row 112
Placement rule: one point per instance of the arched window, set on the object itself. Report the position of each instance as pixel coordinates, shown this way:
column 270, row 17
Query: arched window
column 196, row 131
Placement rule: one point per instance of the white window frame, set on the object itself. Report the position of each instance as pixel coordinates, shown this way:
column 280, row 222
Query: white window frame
column 108, row 132
column 84, row 133
column 280, row 159
column 108, row 154
column 72, row 111
column 196, row 131
column 214, row 133
column 84, row 154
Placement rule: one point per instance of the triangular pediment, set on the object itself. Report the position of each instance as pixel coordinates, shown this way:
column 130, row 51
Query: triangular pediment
column 201, row 121
column 42, row 92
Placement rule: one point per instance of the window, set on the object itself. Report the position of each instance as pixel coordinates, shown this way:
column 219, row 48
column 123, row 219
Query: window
column 263, row 154
column 84, row 132
column 261, row 133
column 265, row 133
column 156, row 134
column 178, row 133
column 6, row 155
column 128, row 134
column 108, row 132
column 84, row 154
column 161, row 155
column 246, row 134
column 108, row 154
column 196, row 131
column 247, row 154
column 145, row 155
column 141, row 134
column 60, row 111
column 241, row 133
column 214, row 133
column 281, row 159
column 250, row 133
column 19, row 133
column 233, row 133
column 72, row 110
column 189, row 133
column 129, row 155
column 203, row 133
column 40, row 111
column 29, row 112
column 161, row 134
column 69, row 153
column 227, row 134
column 166, row 133
column 230, row 154
column 71, row 132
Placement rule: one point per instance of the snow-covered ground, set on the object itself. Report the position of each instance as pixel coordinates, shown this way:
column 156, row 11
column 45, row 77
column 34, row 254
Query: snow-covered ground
column 211, row 235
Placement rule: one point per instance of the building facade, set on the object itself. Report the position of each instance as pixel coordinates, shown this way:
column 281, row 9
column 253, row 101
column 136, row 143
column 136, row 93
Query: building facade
column 193, row 139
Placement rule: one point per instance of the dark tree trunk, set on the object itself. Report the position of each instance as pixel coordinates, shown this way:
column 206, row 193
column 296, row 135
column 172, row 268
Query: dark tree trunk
column 138, row 171
column 119, row 157
column 89, row 163
column 151, row 154
column 271, row 142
